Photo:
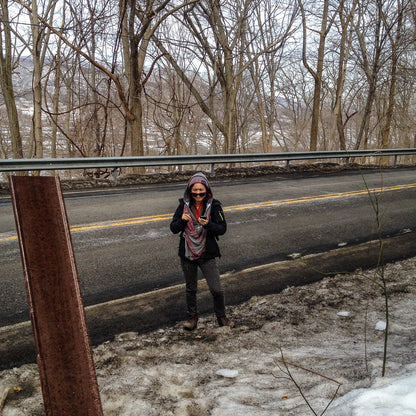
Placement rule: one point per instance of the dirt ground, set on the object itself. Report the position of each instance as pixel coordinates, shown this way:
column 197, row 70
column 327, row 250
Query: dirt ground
column 329, row 333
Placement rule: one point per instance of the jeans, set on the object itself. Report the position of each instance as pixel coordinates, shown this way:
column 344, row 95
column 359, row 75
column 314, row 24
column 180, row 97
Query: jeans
column 211, row 273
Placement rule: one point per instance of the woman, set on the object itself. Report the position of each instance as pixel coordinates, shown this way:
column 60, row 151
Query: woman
column 200, row 220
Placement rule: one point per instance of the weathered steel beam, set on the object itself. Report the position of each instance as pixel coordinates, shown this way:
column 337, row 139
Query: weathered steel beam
column 66, row 367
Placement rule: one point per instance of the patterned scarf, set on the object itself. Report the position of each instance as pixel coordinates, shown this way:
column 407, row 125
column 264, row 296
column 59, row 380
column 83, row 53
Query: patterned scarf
column 195, row 234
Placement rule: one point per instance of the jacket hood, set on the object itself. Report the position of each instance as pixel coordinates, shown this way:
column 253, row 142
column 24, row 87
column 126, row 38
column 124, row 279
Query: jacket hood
column 197, row 178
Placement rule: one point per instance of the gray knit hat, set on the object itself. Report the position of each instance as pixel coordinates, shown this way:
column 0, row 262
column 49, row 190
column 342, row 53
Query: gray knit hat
column 197, row 178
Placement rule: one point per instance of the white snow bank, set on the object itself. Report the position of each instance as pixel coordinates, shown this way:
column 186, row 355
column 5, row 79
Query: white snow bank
column 397, row 398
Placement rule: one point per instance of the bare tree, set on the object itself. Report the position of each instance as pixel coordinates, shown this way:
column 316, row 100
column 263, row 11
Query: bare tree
column 7, row 64
column 273, row 23
column 92, row 25
column 38, row 48
column 369, row 54
column 405, row 116
column 293, row 122
column 346, row 20
column 219, row 30
column 326, row 23
column 169, row 102
column 138, row 25
column 189, row 76
column 395, row 30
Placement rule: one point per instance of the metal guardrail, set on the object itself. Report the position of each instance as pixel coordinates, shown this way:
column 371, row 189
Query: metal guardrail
column 14, row 165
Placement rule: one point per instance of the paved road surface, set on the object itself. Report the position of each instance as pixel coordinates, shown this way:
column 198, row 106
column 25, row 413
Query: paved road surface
column 123, row 245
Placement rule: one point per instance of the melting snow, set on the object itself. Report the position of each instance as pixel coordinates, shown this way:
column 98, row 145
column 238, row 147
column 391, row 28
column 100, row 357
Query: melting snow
column 324, row 336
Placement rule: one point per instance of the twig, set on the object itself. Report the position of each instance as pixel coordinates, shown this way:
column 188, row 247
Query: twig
column 333, row 398
column 379, row 275
column 289, row 374
column 3, row 398
column 306, row 369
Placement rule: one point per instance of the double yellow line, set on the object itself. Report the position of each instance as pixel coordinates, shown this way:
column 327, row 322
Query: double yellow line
column 242, row 207
column 290, row 201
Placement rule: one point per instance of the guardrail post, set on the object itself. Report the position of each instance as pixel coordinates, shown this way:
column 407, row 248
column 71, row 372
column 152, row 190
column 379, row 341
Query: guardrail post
column 395, row 161
column 212, row 170
column 287, row 164
column 347, row 161
column 115, row 176
column 66, row 367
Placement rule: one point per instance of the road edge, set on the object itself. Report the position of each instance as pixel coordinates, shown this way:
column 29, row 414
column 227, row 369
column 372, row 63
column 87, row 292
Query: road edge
column 152, row 310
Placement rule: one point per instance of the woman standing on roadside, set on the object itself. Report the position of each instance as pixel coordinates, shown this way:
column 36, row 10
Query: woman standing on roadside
column 200, row 220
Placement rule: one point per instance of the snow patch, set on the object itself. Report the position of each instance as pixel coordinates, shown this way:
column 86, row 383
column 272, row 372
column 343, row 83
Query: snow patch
column 381, row 326
column 227, row 373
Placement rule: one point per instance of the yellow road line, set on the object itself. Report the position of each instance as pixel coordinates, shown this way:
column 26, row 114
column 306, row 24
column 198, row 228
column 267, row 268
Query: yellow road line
column 120, row 223
column 154, row 218
column 8, row 237
column 319, row 197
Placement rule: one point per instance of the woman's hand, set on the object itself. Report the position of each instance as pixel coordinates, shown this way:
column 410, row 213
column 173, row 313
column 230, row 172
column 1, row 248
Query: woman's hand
column 186, row 217
column 203, row 221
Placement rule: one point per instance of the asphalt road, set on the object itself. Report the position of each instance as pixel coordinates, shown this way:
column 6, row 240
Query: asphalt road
column 123, row 245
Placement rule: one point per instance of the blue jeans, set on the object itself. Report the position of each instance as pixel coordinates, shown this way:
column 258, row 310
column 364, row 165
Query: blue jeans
column 211, row 273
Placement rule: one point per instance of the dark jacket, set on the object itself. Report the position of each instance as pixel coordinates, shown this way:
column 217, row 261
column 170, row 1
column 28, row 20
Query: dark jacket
column 215, row 227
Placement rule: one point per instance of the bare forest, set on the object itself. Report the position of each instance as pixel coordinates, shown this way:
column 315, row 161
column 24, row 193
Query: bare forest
column 84, row 78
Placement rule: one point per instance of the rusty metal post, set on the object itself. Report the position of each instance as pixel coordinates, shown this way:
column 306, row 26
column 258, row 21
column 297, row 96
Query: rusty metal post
column 66, row 367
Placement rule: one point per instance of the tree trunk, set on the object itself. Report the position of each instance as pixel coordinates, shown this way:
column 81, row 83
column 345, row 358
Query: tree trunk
column 56, row 96
column 345, row 43
column 385, row 134
column 37, row 86
column 317, row 74
column 6, row 82
column 372, row 72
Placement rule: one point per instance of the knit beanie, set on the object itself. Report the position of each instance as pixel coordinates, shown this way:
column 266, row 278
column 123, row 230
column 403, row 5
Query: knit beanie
column 197, row 178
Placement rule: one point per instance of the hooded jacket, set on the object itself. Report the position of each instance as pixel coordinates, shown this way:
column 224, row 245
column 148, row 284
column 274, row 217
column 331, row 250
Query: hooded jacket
column 216, row 226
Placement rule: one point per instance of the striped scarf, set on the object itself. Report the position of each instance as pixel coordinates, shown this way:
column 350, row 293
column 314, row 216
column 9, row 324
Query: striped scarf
column 195, row 234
